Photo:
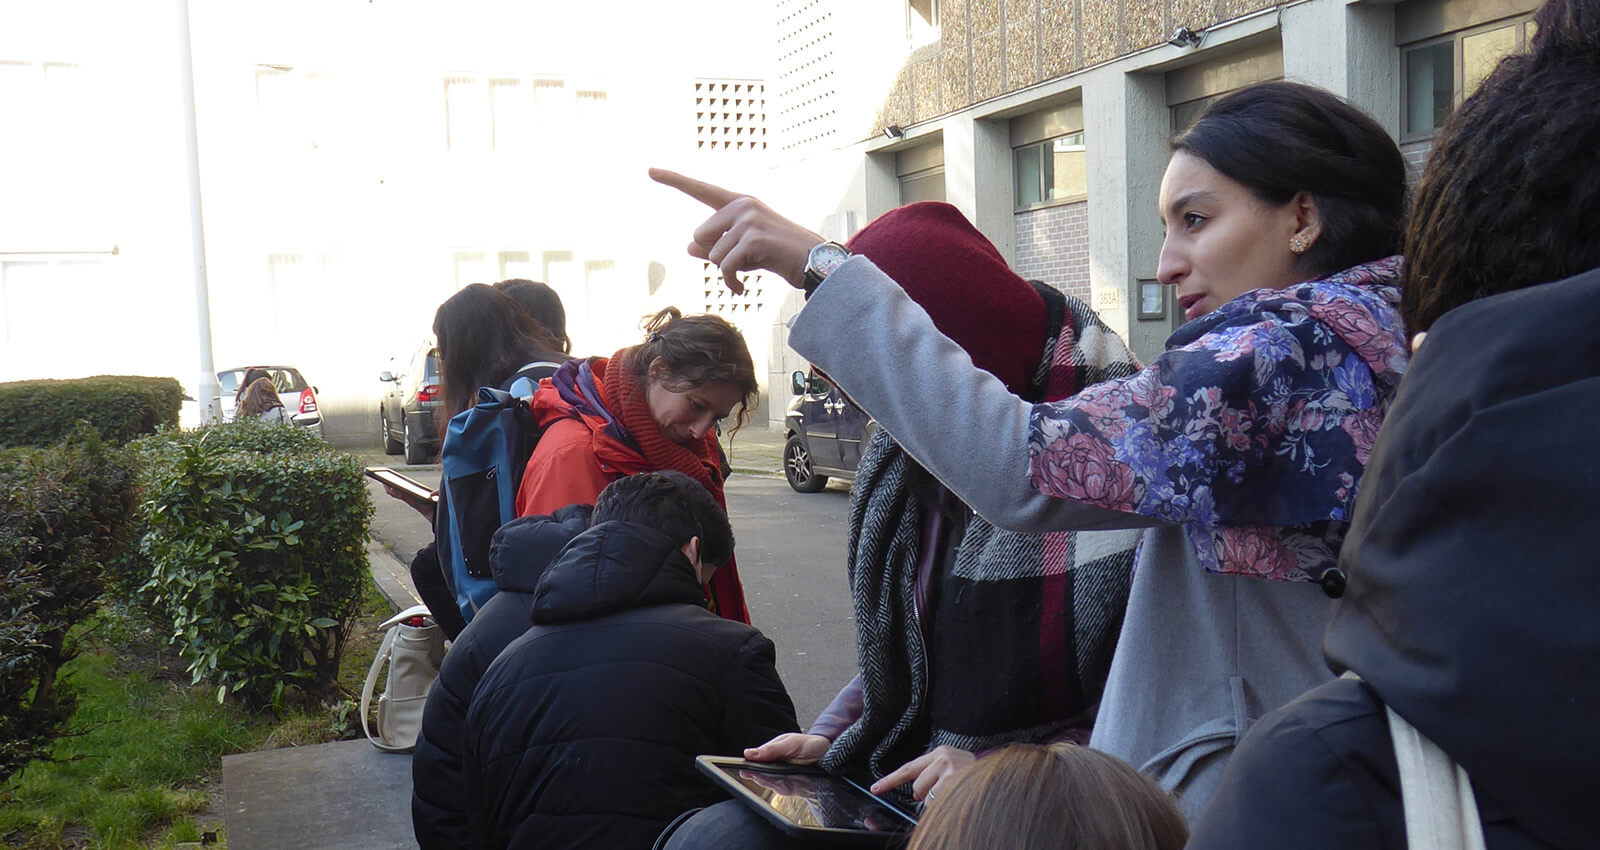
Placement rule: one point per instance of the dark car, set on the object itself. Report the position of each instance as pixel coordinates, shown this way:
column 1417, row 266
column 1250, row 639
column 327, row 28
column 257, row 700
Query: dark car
column 826, row 433
column 409, row 407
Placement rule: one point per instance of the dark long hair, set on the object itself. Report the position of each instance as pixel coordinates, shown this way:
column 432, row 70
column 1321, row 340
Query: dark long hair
column 543, row 304
column 1032, row 797
column 696, row 350
column 484, row 338
column 1280, row 139
column 1510, row 194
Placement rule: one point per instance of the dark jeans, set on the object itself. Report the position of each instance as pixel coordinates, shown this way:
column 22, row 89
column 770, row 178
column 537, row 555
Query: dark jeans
column 730, row 825
column 435, row 592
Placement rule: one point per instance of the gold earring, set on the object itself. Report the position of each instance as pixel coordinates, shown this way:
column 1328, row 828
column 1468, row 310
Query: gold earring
column 1298, row 244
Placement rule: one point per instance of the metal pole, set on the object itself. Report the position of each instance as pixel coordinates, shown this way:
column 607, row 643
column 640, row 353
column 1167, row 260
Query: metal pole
column 207, row 391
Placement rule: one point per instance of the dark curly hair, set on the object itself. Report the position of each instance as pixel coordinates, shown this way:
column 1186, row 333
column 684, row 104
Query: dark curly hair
column 1509, row 196
column 696, row 350
column 1280, row 139
column 673, row 504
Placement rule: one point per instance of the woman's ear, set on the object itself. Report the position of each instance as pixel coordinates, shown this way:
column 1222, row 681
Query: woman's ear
column 657, row 371
column 1307, row 221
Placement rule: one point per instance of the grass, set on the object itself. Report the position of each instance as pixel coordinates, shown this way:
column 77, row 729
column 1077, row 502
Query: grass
column 143, row 762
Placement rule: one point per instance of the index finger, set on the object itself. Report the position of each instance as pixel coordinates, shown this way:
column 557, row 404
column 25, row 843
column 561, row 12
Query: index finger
column 712, row 196
column 901, row 775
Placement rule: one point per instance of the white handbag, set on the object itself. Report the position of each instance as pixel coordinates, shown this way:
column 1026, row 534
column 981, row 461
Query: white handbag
column 413, row 647
column 1441, row 813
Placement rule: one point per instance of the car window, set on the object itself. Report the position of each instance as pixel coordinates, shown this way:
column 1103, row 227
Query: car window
column 230, row 381
column 430, row 374
column 288, row 380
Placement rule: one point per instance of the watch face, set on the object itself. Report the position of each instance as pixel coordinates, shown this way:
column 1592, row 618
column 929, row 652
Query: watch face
column 826, row 257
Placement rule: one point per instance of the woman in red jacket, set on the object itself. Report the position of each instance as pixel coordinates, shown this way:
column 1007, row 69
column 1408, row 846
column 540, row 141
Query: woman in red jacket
column 650, row 407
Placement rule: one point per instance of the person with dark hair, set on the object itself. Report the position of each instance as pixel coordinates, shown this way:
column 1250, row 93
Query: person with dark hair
column 542, row 303
column 484, row 340
column 652, row 406
column 1239, row 449
column 1470, row 613
column 518, row 555
column 1059, row 797
column 584, row 731
column 260, row 401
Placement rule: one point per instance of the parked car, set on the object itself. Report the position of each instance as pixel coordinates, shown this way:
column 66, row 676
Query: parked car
column 299, row 397
column 409, row 407
column 826, row 433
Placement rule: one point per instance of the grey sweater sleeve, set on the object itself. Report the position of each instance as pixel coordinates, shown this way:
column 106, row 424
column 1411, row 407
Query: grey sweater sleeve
column 958, row 421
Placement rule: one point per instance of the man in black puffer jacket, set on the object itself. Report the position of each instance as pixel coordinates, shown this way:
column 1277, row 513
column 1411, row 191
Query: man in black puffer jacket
column 518, row 555
column 583, row 732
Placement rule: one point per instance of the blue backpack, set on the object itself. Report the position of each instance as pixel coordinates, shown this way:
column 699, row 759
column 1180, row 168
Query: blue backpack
column 485, row 450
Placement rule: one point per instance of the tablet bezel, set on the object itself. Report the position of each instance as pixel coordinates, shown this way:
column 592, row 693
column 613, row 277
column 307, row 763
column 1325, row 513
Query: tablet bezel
column 413, row 491
column 711, row 766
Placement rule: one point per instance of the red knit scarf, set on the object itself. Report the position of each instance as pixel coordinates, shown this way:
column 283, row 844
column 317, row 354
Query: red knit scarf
column 625, row 396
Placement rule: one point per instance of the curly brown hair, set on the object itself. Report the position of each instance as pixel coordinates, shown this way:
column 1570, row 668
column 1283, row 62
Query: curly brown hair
column 1509, row 195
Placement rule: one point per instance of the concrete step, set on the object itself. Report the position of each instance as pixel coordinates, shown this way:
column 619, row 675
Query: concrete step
column 341, row 796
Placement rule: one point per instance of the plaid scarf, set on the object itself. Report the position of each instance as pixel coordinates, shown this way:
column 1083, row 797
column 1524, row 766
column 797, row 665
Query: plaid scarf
column 1019, row 639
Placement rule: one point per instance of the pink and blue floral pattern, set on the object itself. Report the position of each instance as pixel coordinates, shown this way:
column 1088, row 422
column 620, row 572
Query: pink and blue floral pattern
column 1251, row 431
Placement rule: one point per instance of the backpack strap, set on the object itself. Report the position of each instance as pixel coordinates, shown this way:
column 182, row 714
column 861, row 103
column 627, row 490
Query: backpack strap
column 526, row 380
column 1441, row 811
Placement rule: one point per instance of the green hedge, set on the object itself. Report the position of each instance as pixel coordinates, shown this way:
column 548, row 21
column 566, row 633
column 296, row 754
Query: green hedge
column 119, row 408
column 64, row 512
column 253, row 548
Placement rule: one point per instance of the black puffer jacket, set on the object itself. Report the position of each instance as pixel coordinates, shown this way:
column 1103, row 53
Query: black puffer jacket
column 1472, row 609
column 518, row 555
column 583, row 732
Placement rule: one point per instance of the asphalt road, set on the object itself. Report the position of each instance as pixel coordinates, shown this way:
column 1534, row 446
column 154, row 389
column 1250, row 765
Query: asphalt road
column 790, row 548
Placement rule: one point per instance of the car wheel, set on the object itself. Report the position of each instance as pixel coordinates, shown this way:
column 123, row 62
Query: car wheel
column 415, row 451
column 391, row 446
column 797, row 467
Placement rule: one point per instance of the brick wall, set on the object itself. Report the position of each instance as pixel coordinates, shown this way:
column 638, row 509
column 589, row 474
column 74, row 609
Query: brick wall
column 1053, row 246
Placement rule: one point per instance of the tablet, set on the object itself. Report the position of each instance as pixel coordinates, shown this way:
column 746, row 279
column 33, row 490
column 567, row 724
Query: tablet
column 409, row 489
column 808, row 802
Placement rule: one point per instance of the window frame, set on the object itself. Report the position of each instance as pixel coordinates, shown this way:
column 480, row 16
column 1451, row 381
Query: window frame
column 1520, row 23
column 1046, row 203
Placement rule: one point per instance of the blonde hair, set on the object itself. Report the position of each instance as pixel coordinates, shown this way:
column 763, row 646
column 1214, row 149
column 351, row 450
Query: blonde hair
column 1032, row 797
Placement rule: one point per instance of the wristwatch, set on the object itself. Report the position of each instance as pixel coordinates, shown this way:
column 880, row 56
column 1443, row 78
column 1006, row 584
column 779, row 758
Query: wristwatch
column 820, row 262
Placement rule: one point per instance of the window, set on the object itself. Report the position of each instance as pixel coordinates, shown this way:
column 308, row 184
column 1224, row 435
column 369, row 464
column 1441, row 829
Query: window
column 922, row 22
column 921, row 173
column 1053, row 170
column 1193, row 88
column 1441, row 71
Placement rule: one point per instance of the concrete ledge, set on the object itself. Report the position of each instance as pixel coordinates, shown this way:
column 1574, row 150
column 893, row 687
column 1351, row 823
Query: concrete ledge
column 392, row 576
column 341, row 796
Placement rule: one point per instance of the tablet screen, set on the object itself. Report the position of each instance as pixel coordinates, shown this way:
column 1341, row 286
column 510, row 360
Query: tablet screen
column 815, row 799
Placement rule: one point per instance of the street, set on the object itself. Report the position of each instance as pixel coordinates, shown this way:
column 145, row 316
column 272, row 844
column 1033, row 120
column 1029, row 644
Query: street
column 790, row 550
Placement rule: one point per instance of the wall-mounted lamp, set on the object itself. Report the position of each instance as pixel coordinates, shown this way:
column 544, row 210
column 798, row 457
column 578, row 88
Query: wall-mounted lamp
column 893, row 132
column 1185, row 37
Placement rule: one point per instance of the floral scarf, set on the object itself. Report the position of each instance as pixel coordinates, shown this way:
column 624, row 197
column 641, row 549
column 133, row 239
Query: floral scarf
column 1251, row 431
column 628, row 441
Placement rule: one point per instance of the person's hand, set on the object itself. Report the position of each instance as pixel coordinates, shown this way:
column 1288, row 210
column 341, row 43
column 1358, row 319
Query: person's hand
column 743, row 234
column 427, row 510
column 929, row 773
column 795, row 747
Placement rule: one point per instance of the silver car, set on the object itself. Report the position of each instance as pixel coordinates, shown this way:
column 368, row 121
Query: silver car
column 298, row 396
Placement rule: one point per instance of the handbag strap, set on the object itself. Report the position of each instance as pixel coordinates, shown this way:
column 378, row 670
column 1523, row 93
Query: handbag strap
column 385, row 650
column 1441, row 811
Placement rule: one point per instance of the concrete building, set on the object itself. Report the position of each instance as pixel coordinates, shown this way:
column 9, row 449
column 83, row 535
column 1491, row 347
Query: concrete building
column 1048, row 121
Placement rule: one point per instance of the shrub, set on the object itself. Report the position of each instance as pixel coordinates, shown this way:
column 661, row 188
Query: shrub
column 119, row 408
column 254, row 542
column 64, row 512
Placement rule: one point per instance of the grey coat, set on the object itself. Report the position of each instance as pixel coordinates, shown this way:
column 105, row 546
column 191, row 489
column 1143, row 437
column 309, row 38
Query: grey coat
column 1200, row 656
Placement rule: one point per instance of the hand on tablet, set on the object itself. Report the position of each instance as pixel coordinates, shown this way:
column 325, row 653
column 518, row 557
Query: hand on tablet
column 793, row 747
column 928, row 773
column 427, row 510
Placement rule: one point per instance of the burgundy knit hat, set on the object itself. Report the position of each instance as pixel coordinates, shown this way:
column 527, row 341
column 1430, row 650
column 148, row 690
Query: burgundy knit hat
column 959, row 277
